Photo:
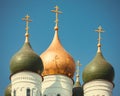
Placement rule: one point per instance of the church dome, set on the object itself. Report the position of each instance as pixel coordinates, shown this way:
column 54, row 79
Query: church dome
column 26, row 59
column 98, row 68
column 8, row 90
column 57, row 60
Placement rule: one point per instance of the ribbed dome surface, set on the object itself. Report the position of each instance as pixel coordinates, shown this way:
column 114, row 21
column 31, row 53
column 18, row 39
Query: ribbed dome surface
column 56, row 60
column 98, row 68
column 8, row 90
column 26, row 60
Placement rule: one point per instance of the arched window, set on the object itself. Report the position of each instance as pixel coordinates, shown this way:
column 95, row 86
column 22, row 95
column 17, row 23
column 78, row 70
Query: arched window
column 14, row 93
column 28, row 92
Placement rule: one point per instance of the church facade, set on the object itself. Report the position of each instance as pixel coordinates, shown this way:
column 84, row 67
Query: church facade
column 51, row 73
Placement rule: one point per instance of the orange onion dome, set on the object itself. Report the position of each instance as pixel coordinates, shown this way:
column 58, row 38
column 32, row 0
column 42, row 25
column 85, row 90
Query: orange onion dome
column 57, row 60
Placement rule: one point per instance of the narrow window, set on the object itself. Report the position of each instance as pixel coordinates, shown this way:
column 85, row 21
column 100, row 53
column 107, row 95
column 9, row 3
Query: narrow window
column 58, row 94
column 28, row 92
column 14, row 92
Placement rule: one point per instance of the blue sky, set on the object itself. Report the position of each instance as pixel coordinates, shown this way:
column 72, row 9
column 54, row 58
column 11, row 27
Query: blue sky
column 76, row 31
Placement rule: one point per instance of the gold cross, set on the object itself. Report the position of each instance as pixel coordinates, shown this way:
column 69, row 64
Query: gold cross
column 99, row 30
column 27, row 21
column 78, row 67
column 57, row 12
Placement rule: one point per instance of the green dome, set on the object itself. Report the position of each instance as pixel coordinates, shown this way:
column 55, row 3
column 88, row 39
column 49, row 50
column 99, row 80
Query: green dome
column 8, row 90
column 26, row 60
column 98, row 68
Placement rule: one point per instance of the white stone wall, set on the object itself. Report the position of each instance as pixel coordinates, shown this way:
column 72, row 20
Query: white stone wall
column 98, row 88
column 23, row 80
column 57, row 85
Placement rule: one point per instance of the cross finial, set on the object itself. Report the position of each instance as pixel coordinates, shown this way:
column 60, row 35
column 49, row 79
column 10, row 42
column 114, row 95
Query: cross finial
column 99, row 30
column 78, row 67
column 78, row 71
column 27, row 27
column 57, row 12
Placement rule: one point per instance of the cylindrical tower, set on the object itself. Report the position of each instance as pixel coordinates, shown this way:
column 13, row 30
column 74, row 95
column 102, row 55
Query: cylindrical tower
column 98, row 75
column 26, row 67
column 59, row 67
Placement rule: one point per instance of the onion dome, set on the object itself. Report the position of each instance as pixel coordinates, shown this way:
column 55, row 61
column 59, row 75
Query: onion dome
column 56, row 59
column 26, row 59
column 77, row 88
column 8, row 90
column 98, row 68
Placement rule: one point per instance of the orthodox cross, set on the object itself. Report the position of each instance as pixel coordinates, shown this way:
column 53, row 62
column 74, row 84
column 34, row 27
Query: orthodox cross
column 57, row 12
column 27, row 21
column 27, row 27
column 99, row 30
column 78, row 68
